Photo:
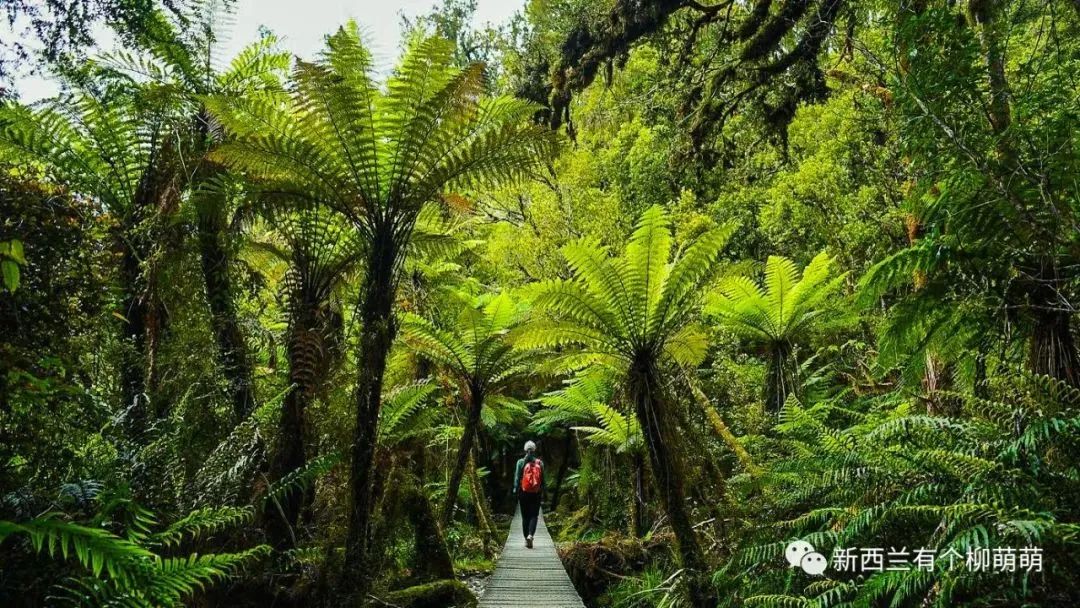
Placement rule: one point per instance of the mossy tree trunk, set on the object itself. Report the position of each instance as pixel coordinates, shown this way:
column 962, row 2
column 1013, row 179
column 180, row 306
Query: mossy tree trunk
column 483, row 515
column 564, row 465
column 468, row 436
column 306, row 353
column 224, row 323
column 144, row 317
column 638, row 501
column 432, row 555
column 1051, row 347
column 652, row 411
column 376, row 339
column 438, row 594
column 134, row 313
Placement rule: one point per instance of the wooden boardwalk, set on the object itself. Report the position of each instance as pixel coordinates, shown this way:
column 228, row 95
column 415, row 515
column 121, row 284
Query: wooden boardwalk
column 530, row 577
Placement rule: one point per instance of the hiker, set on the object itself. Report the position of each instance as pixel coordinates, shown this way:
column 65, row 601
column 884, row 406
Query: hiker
column 529, row 487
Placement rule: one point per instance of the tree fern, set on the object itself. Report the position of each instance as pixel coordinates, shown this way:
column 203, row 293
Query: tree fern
column 779, row 316
column 476, row 353
column 378, row 156
column 115, row 147
column 635, row 315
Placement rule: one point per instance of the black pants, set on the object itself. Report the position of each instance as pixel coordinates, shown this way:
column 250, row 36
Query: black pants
column 530, row 510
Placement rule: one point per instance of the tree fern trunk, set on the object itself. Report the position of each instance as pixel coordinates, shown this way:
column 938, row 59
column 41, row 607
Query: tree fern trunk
column 305, row 348
column 483, row 515
column 556, row 493
column 391, row 479
column 432, row 556
column 1052, row 350
column 289, row 455
column 468, row 435
column 231, row 349
column 376, row 338
column 433, row 561
column 143, row 329
column 133, row 336
column 781, row 377
column 651, row 410
column 637, row 498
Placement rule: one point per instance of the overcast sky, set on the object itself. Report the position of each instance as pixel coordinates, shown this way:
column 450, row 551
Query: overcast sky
column 303, row 23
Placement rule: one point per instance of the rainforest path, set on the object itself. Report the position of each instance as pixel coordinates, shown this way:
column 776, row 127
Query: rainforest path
column 530, row 577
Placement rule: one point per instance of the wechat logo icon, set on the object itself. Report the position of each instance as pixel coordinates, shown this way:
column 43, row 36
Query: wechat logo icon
column 800, row 553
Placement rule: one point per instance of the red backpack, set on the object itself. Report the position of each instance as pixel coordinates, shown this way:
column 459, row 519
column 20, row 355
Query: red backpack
column 531, row 476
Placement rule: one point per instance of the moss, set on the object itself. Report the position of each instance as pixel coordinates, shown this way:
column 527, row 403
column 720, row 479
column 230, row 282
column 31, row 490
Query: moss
column 596, row 566
column 447, row 593
column 469, row 566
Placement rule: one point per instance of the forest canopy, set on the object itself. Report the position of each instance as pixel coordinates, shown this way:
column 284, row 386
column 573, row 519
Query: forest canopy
column 765, row 282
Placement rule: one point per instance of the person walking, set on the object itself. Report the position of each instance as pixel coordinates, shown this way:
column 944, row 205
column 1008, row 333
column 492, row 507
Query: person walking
column 529, row 487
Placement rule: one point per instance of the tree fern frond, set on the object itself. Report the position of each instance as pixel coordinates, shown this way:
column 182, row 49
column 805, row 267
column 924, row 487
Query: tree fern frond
column 203, row 522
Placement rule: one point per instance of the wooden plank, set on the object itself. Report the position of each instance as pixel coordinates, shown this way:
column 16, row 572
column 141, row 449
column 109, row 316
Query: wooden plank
column 528, row 578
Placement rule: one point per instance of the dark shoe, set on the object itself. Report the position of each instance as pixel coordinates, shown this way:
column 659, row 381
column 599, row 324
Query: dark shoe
column 528, row 542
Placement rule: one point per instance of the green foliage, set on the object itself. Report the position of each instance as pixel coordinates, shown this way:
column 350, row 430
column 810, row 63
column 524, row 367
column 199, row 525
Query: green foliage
column 343, row 219
column 614, row 430
column 407, row 412
column 11, row 259
column 125, row 571
column 619, row 308
column 301, row 477
column 203, row 522
column 654, row 588
column 339, row 139
column 587, row 405
column 784, row 308
column 476, row 348
column 99, row 147
column 575, row 403
column 870, row 473
column 780, row 315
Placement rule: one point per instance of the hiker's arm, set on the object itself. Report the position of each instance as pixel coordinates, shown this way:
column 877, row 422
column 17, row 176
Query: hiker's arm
column 517, row 478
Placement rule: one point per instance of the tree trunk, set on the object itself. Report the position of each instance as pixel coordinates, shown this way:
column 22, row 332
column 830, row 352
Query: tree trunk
column 483, row 516
column 143, row 327
column 133, row 328
column 468, row 435
column 938, row 379
column 655, row 420
column 215, row 259
column 432, row 556
column 376, row 338
column 389, row 492
column 568, row 445
column 232, row 351
column 1052, row 350
column 433, row 559
column 305, row 349
column 999, row 109
column 722, row 429
column 289, row 455
column 638, row 498
column 781, row 377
